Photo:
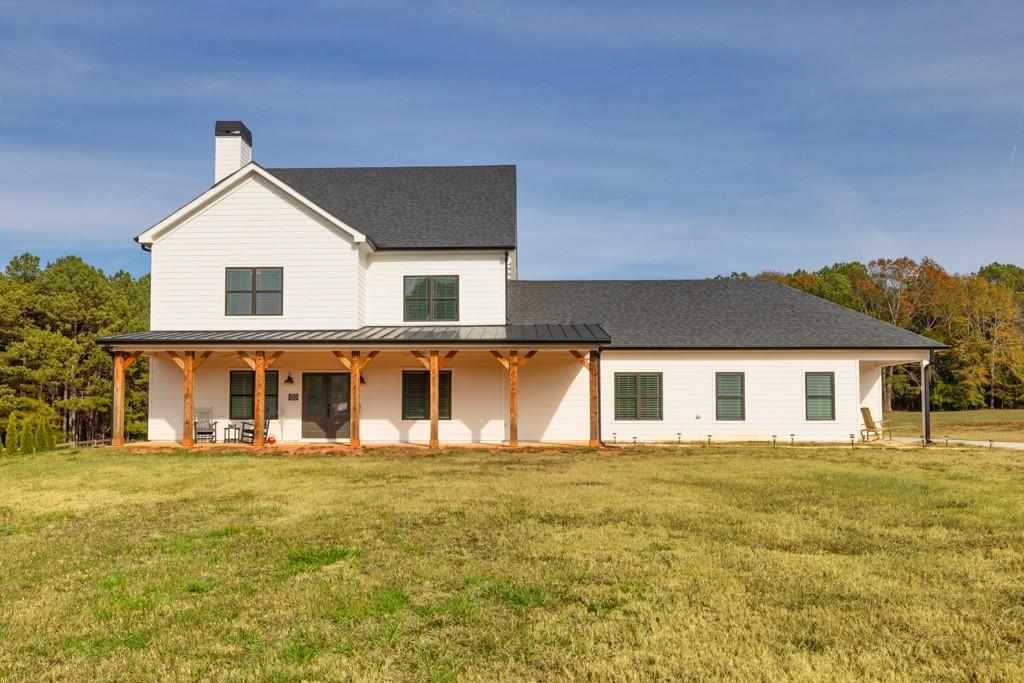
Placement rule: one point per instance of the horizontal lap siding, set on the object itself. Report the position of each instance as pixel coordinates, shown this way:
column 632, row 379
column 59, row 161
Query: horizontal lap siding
column 871, row 388
column 774, row 389
column 254, row 225
column 553, row 400
column 481, row 284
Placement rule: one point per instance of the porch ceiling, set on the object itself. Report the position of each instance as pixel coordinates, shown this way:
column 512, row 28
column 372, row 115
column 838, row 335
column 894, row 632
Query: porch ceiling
column 586, row 333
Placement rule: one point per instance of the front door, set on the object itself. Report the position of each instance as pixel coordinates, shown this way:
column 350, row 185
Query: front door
column 325, row 409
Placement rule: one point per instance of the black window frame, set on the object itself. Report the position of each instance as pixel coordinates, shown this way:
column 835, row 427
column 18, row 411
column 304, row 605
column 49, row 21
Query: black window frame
column 742, row 397
column 430, row 299
column 267, row 385
column 808, row 396
column 441, row 412
column 637, row 397
column 253, row 291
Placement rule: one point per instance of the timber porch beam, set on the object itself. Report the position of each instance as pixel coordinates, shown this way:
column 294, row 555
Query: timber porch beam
column 122, row 361
column 354, row 363
column 512, row 363
column 188, row 370
column 435, row 403
column 591, row 362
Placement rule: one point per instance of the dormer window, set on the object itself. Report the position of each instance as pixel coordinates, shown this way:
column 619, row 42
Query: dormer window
column 431, row 298
column 254, row 291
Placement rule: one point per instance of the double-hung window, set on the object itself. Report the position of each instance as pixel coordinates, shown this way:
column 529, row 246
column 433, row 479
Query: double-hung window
column 243, row 391
column 416, row 395
column 638, row 396
column 431, row 298
column 729, row 396
column 254, row 291
column 820, row 392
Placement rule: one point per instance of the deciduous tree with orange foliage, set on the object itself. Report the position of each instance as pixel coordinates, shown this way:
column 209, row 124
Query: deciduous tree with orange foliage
column 980, row 316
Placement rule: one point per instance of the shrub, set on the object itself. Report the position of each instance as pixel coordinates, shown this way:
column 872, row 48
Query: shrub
column 13, row 438
column 40, row 425
column 26, row 429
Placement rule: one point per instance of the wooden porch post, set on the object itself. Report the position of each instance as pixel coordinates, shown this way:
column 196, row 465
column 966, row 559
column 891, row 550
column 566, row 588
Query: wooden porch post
column 122, row 361
column 355, row 373
column 117, row 418
column 513, row 399
column 259, row 405
column 435, row 401
column 595, row 402
column 188, row 369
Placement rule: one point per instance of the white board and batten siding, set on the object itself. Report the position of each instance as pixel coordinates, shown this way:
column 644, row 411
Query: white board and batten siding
column 774, row 391
column 482, row 276
column 254, row 225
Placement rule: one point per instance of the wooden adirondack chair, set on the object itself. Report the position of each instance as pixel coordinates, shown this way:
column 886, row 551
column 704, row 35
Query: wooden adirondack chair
column 872, row 429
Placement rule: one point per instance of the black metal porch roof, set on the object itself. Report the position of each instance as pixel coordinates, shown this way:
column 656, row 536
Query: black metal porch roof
column 587, row 333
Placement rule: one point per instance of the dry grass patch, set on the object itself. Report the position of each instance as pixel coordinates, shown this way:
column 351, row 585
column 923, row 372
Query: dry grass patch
column 978, row 425
column 740, row 562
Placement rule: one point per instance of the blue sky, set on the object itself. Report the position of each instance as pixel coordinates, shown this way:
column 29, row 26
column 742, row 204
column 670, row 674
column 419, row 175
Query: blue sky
column 652, row 139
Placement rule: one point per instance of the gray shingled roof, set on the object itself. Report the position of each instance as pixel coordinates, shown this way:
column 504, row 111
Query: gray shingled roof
column 704, row 314
column 380, row 334
column 421, row 207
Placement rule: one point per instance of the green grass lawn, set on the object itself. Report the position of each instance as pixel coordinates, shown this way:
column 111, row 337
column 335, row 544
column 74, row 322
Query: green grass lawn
column 983, row 425
column 739, row 562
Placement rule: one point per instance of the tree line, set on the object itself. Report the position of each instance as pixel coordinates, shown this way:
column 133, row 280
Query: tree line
column 980, row 316
column 51, row 368
column 50, row 365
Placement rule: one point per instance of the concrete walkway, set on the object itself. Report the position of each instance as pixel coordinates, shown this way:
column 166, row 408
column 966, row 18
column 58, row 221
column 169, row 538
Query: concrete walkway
column 1012, row 445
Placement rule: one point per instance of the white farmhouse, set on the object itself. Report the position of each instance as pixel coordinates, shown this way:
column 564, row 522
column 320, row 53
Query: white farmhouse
column 367, row 305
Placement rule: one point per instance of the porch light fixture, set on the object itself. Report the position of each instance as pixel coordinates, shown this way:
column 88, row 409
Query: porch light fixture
column 289, row 379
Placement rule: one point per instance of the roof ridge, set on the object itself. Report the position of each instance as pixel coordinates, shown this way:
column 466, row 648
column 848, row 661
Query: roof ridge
column 384, row 168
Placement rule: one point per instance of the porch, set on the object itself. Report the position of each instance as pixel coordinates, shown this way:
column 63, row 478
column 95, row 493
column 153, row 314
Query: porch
column 545, row 388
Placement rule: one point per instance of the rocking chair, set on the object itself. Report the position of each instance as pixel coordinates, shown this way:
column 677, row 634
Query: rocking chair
column 205, row 426
column 249, row 431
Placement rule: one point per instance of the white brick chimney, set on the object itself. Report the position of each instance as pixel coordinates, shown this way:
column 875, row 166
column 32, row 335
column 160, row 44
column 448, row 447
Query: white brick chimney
column 232, row 150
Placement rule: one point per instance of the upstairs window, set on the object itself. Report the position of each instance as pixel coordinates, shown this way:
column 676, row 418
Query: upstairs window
column 638, row 396
column 416, row 395
column 431, row 298
column 821, row 395
column 254, row 291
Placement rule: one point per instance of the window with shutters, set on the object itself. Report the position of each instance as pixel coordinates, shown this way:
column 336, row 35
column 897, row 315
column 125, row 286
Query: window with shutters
column 729, row 398
column 638, row 396
column 820, row 390
column 416, row 395
column 431, row 298
column 243, row 389
column 254, row 291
